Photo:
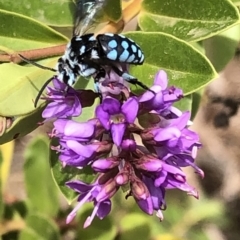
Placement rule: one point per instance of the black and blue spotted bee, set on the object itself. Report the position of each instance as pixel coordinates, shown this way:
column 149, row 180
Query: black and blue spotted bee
column 89, row 56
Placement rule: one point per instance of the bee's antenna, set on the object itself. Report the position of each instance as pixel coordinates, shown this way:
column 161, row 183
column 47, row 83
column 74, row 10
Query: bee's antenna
column 41, row 90
column 36, row 64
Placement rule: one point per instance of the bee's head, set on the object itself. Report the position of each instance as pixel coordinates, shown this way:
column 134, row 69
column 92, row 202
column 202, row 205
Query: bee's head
column 65, row 73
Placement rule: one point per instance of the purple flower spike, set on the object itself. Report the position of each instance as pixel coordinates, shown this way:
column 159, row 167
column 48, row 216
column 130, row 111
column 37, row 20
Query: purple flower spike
column 136, row 142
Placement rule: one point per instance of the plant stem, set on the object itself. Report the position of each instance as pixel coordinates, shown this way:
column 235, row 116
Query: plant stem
column 128, row 13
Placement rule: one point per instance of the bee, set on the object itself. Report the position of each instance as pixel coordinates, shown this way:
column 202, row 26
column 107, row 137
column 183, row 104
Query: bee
column 88, row 55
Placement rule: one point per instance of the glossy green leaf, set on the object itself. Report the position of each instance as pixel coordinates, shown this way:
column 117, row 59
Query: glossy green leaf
column 99, row 230
column 61, row 174
column 20, row 85
column 18, row 32
column 113, row 10
column 48, row 12
column 40, row 226
column 186, row 67
column 184, row 104
column 23, row 125
column 187, row 19
column 44, row 11
column 135, row 226
column 41, row 190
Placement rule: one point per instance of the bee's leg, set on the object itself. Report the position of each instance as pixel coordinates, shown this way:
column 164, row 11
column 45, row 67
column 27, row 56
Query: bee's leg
column 129, row 78
column 101, row 73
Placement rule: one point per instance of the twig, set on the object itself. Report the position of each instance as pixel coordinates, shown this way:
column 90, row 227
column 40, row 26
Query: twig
column 128, row 13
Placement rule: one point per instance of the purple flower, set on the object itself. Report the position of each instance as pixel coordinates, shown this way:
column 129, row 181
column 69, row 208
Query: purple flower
column 172, row 136
column 113, row 83
column 147, row 159
column 97, row 193
column 115, row 116
column 76, row 147
column 64, row 101
column 69, row 129
column 163, row 97
column 157, row 196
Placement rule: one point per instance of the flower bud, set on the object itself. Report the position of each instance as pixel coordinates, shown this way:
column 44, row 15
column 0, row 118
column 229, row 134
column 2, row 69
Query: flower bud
column 107, row 191
column 103, row 165
column 122, row 179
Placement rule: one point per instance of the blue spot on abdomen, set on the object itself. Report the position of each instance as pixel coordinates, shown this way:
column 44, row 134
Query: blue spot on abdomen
column 124, row 44
column 124, row 56
column 112, row 55
column 112, row 44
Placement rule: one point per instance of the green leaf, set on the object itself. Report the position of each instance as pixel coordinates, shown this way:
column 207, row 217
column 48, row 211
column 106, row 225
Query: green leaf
column 187, row 19
column 135, row 226
column 99, row 230
column 18, row 32
column 45, row 11
column 41, row 190
column 22, row 126
column 28, row 234
column 61, row 175
column 20, row 85
column 236, row 2
column 40, row 226
column 48, row 12
column 184, row 104
column 113, row 10
column 186, row 67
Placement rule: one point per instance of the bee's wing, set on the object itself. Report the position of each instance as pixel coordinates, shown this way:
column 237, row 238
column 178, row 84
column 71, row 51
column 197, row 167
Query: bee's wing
column 88, row 14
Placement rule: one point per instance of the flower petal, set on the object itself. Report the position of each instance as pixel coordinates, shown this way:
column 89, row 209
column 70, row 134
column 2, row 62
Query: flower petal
column 55, row 109
column 83, row 150
column 103, row 117
column 161, row 79
column 146, row 205
column 79, row 186
column 76, row 129
column 164, row 134
column 130, row 109
column 111, row 106
column 104, row 209
column 118, row 131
